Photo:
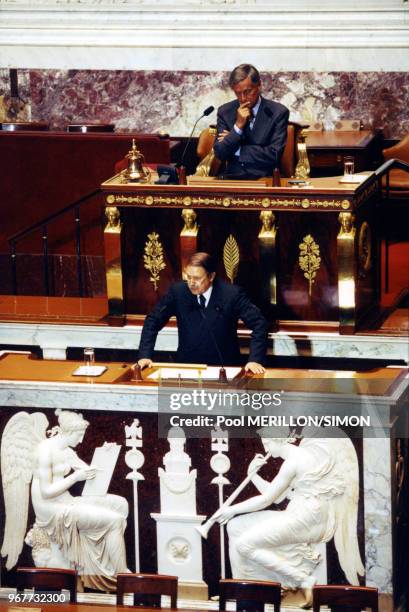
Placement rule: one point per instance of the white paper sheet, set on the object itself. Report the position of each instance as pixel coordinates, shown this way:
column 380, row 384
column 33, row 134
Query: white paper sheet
column 89, row 371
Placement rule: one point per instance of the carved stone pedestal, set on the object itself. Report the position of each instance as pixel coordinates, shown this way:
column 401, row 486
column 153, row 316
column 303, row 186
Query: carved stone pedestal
column 179, row 547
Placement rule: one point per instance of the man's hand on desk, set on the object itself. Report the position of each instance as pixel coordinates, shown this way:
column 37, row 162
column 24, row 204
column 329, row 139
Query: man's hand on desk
column 254, row 367
column 145, row 363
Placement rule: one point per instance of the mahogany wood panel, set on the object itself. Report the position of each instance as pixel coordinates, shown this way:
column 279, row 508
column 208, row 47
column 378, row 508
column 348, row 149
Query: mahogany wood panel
column 42, row 172
column 326, row 150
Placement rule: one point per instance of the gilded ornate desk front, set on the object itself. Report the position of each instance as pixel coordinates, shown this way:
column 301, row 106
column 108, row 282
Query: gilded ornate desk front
column 312, row 260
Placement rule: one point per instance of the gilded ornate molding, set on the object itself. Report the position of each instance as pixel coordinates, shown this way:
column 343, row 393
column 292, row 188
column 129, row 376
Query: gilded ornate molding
column 228, row 202
column 346, row 270
column 113, row 264
column 302, row 169
column 267, row 253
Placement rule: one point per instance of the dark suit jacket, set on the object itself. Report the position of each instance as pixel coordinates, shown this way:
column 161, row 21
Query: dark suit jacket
column 260, row 148
column 200, row 329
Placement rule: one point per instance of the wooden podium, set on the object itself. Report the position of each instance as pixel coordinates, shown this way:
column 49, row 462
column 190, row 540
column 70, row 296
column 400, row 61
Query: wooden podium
column 308, row 257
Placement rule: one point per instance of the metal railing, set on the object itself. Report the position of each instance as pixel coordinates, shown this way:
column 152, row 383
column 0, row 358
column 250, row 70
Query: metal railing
column 382, row 171
column 43, row 226
column 386, row 167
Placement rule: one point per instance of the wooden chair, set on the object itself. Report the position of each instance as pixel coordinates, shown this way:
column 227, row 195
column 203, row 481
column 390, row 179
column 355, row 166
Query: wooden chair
column 344, row 598
column 48, row 579
column 250, row 595
column 85, row 128
column 288, row 160
column 395, row 206
column 24, row 126
column 147, row 589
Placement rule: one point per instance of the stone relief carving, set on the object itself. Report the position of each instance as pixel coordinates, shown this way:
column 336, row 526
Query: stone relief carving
column 179, row 545
column 177, row 481
column 320, row 478
column 84, row 533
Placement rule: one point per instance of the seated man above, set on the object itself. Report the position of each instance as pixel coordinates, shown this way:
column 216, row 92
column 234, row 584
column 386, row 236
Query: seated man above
column 207, row 312
column 252, row 131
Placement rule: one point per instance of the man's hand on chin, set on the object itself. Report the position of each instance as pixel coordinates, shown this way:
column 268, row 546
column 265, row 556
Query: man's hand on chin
column 254, row 367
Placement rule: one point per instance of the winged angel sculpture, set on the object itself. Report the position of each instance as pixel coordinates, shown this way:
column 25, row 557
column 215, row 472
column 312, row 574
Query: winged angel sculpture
column 83, row 533
column 321, row 480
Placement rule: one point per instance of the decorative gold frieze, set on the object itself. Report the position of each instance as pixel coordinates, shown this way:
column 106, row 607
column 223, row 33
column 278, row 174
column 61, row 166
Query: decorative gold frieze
column 231, row 257
column 153, row 258
column 228, row 202
column 309, row 259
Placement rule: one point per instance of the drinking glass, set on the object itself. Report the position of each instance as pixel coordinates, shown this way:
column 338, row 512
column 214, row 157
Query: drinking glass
column 349, row 166
column 89, row 357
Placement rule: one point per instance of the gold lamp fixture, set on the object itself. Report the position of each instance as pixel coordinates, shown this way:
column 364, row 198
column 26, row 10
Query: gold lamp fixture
column 136, row 172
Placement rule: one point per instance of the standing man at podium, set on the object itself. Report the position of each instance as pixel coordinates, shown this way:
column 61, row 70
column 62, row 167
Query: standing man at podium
column 252, row 131
column 207, row 311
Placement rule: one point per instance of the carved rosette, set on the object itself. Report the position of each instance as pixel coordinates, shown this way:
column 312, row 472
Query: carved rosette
column 231, row 257
column 179, row 550
column 153, row 258
column 309, row 260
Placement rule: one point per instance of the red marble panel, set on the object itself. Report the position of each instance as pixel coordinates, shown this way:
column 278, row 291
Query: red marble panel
column 148, row 101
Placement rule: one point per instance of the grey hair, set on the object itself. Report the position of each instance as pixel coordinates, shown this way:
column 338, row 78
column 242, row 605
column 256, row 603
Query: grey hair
column 243, row 71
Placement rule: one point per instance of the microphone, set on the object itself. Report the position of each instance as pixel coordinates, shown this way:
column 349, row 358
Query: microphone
column 208, row 111
column 222, row 371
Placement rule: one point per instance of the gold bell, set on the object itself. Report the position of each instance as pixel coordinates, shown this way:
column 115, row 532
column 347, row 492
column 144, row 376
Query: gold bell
column 136, row 173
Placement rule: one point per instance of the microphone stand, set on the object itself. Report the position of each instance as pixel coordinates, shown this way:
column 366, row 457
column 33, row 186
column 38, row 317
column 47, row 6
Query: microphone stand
column 181, row 167
column 222, row 371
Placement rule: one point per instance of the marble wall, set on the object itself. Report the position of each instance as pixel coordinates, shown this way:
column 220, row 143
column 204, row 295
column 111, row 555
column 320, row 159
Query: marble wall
column 153, row 100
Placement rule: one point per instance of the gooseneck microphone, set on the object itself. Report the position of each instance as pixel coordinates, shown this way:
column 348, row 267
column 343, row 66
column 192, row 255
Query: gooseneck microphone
column 205, row 113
